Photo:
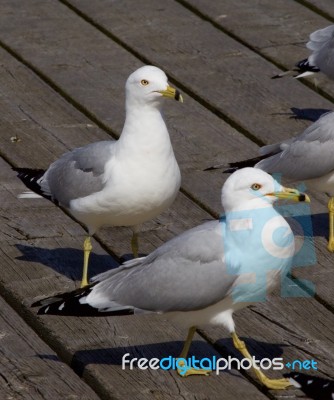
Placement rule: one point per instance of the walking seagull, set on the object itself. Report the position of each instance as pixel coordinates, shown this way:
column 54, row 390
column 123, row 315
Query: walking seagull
column 118, row 183
column 202, row 276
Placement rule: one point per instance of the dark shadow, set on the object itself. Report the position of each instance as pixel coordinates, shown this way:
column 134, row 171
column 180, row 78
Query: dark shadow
column 317, row 226
column 113, row 356
column 314, row 387
column 320, row 223
column 308, row 114
column 199, row 349
column 66, row 261
column 50, row 357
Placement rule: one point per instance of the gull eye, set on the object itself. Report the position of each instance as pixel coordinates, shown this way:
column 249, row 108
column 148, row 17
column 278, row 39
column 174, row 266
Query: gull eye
column 256, row 186
column 144, row 82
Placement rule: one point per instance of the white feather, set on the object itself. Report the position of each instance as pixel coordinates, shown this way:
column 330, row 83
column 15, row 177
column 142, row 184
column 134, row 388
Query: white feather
column 29, row 195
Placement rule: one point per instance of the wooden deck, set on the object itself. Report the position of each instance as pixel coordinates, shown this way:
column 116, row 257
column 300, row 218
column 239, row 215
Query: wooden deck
column 63, row 65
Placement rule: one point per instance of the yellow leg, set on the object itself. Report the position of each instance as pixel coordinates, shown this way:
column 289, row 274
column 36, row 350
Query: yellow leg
column 282, row 383
column 87, row 247
column 134, row 244
column 184, row 353
column 331, row 224
column 187, row 343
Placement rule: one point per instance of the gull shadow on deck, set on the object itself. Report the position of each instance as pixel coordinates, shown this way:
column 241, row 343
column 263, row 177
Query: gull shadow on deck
column 308, row 114
column 200, row 349
column 113, row 356
column 66, row 261
column 319, row 225
column 305, row 114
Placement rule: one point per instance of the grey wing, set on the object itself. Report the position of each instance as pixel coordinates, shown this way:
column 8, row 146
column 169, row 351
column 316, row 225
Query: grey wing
column 307, row 156
column 78, row 173
column 273, row 148
column 322, row 44
column 320, row 37
column 186, row 273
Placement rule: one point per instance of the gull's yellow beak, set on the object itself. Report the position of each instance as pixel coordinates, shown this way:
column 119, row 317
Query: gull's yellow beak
column 173, row 93
column 291, row 194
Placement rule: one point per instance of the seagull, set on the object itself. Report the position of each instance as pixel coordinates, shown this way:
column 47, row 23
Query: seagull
column 307, row 157
column 202, row 276
column 321, row 44
column 117, row 183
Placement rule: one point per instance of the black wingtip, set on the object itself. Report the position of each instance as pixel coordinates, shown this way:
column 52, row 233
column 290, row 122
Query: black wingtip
column 213, row 167
column 305, row 66
column 76, row 309
column 230, row 170
column 71, row 304
column 234, row 166
column 314, row 387
column 29, row 172
column 65, row 303
column 250, row 162
column 30, row 178
column 69, row 309
column 300, row 67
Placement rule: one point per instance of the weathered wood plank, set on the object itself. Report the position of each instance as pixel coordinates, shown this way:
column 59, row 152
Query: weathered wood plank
column 244, row 95
column 178, row 56
column 279, row 30
column 29, row 369
column 323, row 7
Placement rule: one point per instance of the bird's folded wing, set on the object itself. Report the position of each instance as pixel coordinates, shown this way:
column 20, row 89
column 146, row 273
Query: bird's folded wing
column 320, row 37
column 78, row 173
column 187, row 273
column 308, row 156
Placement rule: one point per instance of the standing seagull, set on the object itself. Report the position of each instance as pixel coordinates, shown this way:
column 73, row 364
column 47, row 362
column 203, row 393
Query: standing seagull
column 202, row 276
column 118, row 183
column 321, row 59
column 307, row 157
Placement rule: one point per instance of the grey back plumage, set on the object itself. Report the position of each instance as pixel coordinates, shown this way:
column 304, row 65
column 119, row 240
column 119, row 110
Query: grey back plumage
column 78, row 173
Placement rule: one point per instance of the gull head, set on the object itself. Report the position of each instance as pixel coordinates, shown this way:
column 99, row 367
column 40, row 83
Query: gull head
column 250, row 188
column 149, row 85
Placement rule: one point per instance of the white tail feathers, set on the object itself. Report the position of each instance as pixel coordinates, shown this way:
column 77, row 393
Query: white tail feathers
column 295, row 383
column 28, row 195
column 304, row 74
